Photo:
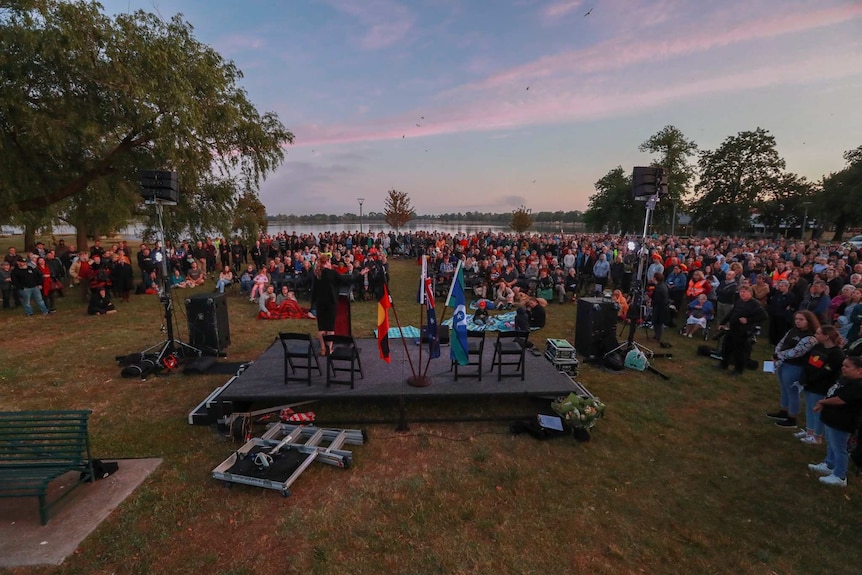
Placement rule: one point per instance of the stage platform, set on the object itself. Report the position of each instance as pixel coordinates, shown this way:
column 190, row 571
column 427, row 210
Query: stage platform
column 262, row 382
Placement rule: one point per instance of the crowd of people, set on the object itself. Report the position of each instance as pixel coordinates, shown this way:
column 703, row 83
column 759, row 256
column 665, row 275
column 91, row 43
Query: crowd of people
column 807, row 294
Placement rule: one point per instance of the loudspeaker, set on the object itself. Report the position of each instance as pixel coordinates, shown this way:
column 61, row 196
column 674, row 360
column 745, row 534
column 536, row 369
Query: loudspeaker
column 649, row 181
column 160, row 186
column 209, row 327
column 595, row 327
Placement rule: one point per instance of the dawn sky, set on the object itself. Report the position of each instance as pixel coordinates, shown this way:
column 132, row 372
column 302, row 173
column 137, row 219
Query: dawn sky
column 487, row 105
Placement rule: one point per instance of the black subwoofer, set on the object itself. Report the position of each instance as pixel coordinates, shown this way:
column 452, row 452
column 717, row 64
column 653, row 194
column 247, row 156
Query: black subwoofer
column 209, row 327
column 595, row 327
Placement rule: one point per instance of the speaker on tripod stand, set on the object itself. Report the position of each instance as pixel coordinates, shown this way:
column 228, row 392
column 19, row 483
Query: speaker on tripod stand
column 209, row 327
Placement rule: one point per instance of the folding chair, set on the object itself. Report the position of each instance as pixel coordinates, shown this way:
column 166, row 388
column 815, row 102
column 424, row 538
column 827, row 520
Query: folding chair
column 344, row 357
column 300, row 352
column 510, row 344
column 475, row 349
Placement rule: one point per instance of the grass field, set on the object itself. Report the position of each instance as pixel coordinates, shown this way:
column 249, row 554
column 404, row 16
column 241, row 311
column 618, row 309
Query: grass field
column 682, row 476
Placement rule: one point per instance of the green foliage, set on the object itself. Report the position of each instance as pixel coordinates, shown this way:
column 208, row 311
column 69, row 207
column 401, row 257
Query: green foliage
column 398, row 210
column 734, row 178
column 522, row 220
column 92, row 100
column 784, row 203
column 674, row 152
column 840, row 202
column 613, row 207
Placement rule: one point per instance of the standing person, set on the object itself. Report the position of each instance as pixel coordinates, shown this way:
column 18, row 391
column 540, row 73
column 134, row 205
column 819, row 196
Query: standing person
column 791, row 355
column 324, row 296
column 739, row 325
column 820, row 374
column 601, row 273
column 6, row 287
column 45, row 272
column 839, row 412
column 660, row 307
column 27, row 281
column 782, row 305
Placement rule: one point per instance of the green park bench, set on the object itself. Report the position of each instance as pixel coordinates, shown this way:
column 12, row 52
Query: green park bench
column 37, row 447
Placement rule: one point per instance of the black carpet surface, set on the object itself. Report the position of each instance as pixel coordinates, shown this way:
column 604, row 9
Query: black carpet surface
column 263, row 380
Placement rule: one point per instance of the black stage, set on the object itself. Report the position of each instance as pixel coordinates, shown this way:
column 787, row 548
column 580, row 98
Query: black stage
column 263, row 381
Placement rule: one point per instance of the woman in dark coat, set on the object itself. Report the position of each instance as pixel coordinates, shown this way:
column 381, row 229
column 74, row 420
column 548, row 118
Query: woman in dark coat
column 660, row 303
column 122, row 276
column 324, row 296
column 100, row 303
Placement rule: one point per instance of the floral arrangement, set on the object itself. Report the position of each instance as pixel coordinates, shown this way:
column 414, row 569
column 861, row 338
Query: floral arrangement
column 579, row 412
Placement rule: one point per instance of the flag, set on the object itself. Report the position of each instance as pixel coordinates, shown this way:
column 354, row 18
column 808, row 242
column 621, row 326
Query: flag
column 383, row 305
column 456, row 300
column 431, row 313
column 420, row 293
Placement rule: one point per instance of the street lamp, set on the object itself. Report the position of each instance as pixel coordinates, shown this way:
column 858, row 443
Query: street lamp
column 805, row 219
column 360, row 200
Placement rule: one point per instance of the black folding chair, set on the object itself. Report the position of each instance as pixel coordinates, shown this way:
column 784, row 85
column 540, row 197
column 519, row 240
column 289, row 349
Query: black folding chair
column 475, row 349
column 510, row 349
column 300, row 353
column 344, row 357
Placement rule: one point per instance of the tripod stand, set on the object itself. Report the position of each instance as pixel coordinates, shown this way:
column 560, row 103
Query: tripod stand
column 634, row 314
column 171, row 346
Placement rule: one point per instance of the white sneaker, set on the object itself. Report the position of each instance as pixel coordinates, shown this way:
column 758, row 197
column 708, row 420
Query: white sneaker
column 801, row 434
column 833, row 480
column 811, row 440
column 820, row 468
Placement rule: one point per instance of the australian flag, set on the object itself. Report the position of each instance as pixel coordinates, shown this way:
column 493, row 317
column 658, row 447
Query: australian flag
column 431, row 313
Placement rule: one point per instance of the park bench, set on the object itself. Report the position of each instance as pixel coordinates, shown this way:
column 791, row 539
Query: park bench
column 37, row 447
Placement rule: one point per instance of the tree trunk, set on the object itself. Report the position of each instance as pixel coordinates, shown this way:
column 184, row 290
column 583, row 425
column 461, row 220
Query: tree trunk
column 840, row 224
column 29, row 237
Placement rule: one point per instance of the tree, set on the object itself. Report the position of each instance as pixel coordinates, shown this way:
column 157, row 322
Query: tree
column 90, row 100
column 840, row 201
column 783, row 205
column 733, row 178
column 397, row 209
column 522, row 220
column 674, row 152
column 613, row 206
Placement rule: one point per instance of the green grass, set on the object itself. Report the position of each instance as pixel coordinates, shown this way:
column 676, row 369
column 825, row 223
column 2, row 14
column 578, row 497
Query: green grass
column 682, row 476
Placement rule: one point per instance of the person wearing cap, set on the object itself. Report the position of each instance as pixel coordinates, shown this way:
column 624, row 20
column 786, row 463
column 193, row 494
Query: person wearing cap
column 481, row 315
column 656, row 266
column 27, row 281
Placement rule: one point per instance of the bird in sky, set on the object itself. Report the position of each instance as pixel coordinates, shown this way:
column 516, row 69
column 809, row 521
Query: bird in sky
column 590, row 11
column 418, row 125
column 403, row 135
column 528, row 87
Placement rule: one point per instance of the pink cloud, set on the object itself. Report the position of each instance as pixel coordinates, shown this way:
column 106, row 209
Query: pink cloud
column 560, row 9
column 577, row 85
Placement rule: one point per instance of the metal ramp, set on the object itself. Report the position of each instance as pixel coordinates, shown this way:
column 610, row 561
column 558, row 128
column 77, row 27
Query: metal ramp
column 278, row 458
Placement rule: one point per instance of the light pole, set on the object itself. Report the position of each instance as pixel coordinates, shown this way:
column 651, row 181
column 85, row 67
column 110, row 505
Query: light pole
column 805, row 219
column 360, row 200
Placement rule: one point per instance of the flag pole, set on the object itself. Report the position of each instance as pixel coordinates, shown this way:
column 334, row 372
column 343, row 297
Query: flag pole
column 443, row 314
column 398, row 323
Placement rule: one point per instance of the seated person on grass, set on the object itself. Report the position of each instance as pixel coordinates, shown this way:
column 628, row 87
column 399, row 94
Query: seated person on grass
column 535, row 313
column 100, row 303
column 246, row 280
column 225, row 279
column 178, row 280
column 267, row 303
column 504, row 297
column 195, row 276
column 481, row 315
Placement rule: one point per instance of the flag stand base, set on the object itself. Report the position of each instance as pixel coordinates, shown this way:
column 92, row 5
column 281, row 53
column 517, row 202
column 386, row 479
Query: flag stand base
column 419, row 380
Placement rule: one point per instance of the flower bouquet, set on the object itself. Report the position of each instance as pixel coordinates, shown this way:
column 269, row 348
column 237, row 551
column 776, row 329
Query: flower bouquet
column 579, row 413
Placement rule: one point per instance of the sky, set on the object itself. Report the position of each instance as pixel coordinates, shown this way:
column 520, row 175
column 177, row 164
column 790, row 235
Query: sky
column 489, row 105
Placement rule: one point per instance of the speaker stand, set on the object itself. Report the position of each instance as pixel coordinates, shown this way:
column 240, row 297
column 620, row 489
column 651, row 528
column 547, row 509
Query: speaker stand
column 171, row 345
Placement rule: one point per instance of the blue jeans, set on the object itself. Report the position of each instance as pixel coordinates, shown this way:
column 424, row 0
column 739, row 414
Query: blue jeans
column 221, row 284
column 836, row 451
column 787, row 376
column 34, row 293
column 812, row 419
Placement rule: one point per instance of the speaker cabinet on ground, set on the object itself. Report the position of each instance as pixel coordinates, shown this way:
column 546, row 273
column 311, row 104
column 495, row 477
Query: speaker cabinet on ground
column 595, row 327
column 209, row 327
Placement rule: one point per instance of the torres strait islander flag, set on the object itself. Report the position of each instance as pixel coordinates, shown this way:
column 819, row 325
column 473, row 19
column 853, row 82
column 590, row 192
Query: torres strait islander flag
column 383, row 305
column 457, row 301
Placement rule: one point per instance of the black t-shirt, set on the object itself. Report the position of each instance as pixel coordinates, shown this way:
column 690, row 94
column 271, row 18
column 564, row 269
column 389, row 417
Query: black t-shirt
column 843, row 417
